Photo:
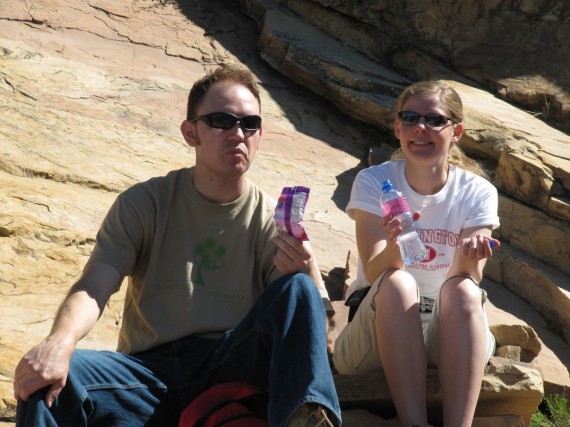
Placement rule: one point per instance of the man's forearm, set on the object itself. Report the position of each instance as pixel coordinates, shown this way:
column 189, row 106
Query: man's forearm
column 86, row 301
column 314, row 272
column 76, row 316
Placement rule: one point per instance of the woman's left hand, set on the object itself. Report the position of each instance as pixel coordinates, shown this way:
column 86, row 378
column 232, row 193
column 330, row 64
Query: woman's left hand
column 479, row 246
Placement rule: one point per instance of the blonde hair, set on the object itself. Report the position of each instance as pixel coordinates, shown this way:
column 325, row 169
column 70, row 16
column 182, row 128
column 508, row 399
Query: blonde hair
column 451, row 101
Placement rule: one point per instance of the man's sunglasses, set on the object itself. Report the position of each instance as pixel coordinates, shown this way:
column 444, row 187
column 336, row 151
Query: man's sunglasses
column 228, row 121
column 432, row 120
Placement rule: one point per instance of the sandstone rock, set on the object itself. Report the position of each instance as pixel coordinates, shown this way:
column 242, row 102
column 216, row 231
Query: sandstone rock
column 550, row 243
column 512, row 352
column 363, row 418
column 499, row 421
column 522, row 336
column 92, row 94
column 525, row 177
column 554, row 358
column 498, row 360
column 362, row 88
column 545, row 288
column 519, row 389
column 427, row 39
column 506, row 389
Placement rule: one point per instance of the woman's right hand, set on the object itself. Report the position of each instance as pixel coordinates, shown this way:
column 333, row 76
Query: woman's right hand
column 376, row 241
column 392, row 227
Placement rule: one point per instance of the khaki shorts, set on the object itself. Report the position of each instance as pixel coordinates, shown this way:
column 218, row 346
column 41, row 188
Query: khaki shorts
column 356, row 349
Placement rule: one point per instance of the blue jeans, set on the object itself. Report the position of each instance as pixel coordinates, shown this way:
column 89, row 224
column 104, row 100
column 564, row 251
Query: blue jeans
column 280, row 346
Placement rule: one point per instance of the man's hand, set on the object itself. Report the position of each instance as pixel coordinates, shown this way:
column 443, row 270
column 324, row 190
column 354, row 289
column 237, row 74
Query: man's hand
column 293, row 255
column 48, row 362
column 45, row 364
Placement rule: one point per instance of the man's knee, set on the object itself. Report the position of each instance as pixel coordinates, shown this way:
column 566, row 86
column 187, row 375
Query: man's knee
column 297, row 284
column 295, row 290
column 28, row 413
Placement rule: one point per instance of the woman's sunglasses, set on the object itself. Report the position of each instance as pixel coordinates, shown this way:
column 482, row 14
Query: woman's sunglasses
column 228, row 121
column 432, row 120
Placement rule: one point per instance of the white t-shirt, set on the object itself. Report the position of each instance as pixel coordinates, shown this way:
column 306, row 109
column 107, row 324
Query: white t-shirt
column 466, row 200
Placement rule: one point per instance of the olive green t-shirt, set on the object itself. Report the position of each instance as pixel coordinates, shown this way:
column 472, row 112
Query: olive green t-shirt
column 194, row 267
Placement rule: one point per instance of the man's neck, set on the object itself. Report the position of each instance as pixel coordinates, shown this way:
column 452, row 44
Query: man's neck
column 217, row 189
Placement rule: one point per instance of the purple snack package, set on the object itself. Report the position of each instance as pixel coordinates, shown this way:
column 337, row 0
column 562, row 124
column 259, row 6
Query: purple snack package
column 290, row 209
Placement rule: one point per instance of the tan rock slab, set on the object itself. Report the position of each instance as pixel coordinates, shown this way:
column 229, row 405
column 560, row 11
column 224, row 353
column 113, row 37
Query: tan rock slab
column 499, row 421
column 506, row 390
column 522, row 336
column 504, row 307
column 363, row 418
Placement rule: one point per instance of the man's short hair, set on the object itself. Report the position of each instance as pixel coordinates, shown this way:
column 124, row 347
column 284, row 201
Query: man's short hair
column 223, row 73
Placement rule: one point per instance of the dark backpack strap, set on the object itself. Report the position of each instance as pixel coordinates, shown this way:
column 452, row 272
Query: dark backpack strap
column 354, row 300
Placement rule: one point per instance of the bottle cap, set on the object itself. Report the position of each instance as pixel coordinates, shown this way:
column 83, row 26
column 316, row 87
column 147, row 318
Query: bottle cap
column 387, row 186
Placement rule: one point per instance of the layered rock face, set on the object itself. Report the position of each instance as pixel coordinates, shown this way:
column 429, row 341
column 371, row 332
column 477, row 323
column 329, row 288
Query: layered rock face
column 346, row 52
column 92, row 95
column 518, row 50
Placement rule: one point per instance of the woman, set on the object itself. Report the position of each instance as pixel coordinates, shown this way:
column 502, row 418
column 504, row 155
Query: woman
column 430, row 313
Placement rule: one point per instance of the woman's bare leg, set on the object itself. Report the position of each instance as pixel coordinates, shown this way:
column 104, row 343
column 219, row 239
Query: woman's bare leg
column 401, row 346
column 462, row 350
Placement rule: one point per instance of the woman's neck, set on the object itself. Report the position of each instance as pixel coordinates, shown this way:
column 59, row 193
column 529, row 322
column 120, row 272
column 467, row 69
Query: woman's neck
column 426, row 181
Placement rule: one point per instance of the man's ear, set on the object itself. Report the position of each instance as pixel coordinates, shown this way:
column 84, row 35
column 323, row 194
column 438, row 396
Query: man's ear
column 188, row 130
column 457, row 132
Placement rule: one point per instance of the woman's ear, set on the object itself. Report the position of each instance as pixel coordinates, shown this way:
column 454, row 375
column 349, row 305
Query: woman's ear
column 458, row 129
column 188, row 130
column 397, row 128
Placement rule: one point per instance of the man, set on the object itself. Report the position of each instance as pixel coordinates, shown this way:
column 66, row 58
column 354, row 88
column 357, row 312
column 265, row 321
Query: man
column 214, row 295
